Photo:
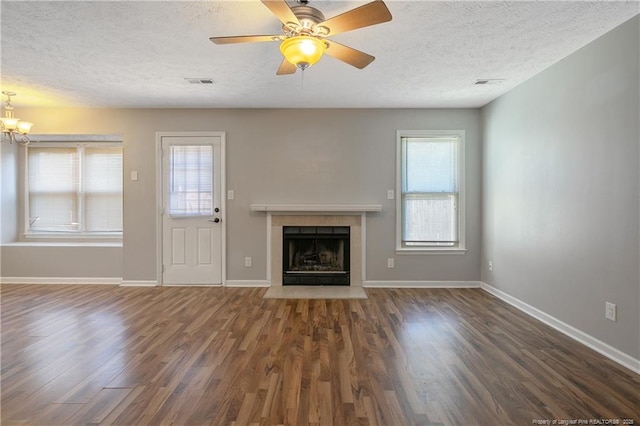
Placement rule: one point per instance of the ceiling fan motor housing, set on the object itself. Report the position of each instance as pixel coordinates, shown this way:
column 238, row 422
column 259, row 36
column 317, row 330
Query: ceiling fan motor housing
column 309, row 17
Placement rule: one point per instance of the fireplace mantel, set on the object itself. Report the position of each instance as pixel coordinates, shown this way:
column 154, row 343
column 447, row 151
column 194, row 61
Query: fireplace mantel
column 315, row 208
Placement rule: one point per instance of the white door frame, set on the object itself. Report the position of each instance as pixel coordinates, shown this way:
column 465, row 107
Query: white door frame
column 159, row 199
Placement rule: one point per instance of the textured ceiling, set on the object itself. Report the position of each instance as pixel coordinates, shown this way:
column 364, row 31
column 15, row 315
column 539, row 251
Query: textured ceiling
column 138, row 53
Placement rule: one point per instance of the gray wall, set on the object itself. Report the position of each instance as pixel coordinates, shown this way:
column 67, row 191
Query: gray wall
column 273, row 156
column 561, row 186
column 8, row 192
column 8, row 195
column 61, row 261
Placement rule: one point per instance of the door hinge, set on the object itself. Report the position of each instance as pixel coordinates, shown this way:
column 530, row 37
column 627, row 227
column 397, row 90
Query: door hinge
column 162, row 269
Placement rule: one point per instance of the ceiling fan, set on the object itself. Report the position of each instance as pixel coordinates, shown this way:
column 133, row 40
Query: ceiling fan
column 305, row 30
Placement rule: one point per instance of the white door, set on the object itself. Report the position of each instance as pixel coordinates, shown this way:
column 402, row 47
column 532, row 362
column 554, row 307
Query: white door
column 191, row 210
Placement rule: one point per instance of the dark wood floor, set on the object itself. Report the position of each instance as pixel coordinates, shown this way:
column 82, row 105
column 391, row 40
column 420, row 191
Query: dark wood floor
column 189, row 356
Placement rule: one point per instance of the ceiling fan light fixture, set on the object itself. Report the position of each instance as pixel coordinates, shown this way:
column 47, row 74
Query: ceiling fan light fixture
column 302, row 51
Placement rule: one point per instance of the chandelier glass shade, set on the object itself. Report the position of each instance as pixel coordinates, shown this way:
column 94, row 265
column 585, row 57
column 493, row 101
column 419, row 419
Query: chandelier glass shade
column 302, row 51
column 13, row 129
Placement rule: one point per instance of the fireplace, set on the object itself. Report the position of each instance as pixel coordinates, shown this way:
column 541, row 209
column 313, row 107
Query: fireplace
column 316, row 255
column 280, row 216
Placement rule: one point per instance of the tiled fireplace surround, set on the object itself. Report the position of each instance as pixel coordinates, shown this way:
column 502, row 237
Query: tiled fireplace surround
column 353, row 216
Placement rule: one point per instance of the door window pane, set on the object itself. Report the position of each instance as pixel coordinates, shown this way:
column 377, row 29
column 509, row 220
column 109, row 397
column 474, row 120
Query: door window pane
column 191, row 180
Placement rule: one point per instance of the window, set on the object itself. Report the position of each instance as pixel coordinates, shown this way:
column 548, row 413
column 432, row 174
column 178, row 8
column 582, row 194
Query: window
column 191, row 180
column 430, row 206
column 74, row 189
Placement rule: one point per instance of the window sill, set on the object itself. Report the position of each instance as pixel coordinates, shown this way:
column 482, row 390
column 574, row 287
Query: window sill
column 71, row 237
column 63, row 244
column 431, row 250
column 70, row 240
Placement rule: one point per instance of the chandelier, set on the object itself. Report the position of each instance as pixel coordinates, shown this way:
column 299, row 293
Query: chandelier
column 13, row 129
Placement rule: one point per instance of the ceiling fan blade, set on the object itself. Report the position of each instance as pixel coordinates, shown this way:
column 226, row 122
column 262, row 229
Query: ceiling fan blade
column 347, row 54
column 245, row 39
column 372, row 13
column 286, row 67
column 281, row 9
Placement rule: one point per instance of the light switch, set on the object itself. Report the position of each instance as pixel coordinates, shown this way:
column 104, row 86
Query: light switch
column 230, row 194
column 134, row 175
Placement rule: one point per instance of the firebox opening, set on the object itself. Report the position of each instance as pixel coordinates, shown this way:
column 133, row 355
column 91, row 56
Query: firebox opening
column 316, row 255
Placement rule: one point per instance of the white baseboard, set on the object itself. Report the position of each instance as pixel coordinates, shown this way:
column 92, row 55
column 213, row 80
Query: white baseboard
column 247, row 283
column 373, row 284
column 421, row 284
column 139, row 283
column 192, row 285
column 61, row 280
column 597, row 345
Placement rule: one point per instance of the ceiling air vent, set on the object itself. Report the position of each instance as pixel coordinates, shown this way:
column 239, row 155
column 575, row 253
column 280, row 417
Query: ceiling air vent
column 482, row 81
column 204, row 80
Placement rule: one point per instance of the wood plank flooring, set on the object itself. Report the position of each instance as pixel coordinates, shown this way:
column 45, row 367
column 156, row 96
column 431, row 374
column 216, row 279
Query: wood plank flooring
column 74, row 354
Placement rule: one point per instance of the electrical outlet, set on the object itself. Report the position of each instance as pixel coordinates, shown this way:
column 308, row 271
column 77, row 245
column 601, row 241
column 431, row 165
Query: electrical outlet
column 391, row 263
column 490, row 266
column 247, row 262
column 610, row 311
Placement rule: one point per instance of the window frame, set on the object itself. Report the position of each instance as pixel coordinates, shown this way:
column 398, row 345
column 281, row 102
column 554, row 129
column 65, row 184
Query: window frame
column 460, row 248
column 66, row 141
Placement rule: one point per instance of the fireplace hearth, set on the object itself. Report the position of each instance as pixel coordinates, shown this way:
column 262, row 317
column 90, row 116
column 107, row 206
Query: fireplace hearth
column 315, row 255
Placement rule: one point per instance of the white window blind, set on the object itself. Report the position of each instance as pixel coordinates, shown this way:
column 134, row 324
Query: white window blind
column 103, row 189
column 74, row 189
column 191, row 180
column 430, row 191
column 54, row 184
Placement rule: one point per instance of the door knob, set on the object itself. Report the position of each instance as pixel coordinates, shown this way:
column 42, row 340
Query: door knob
column 216, row 220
